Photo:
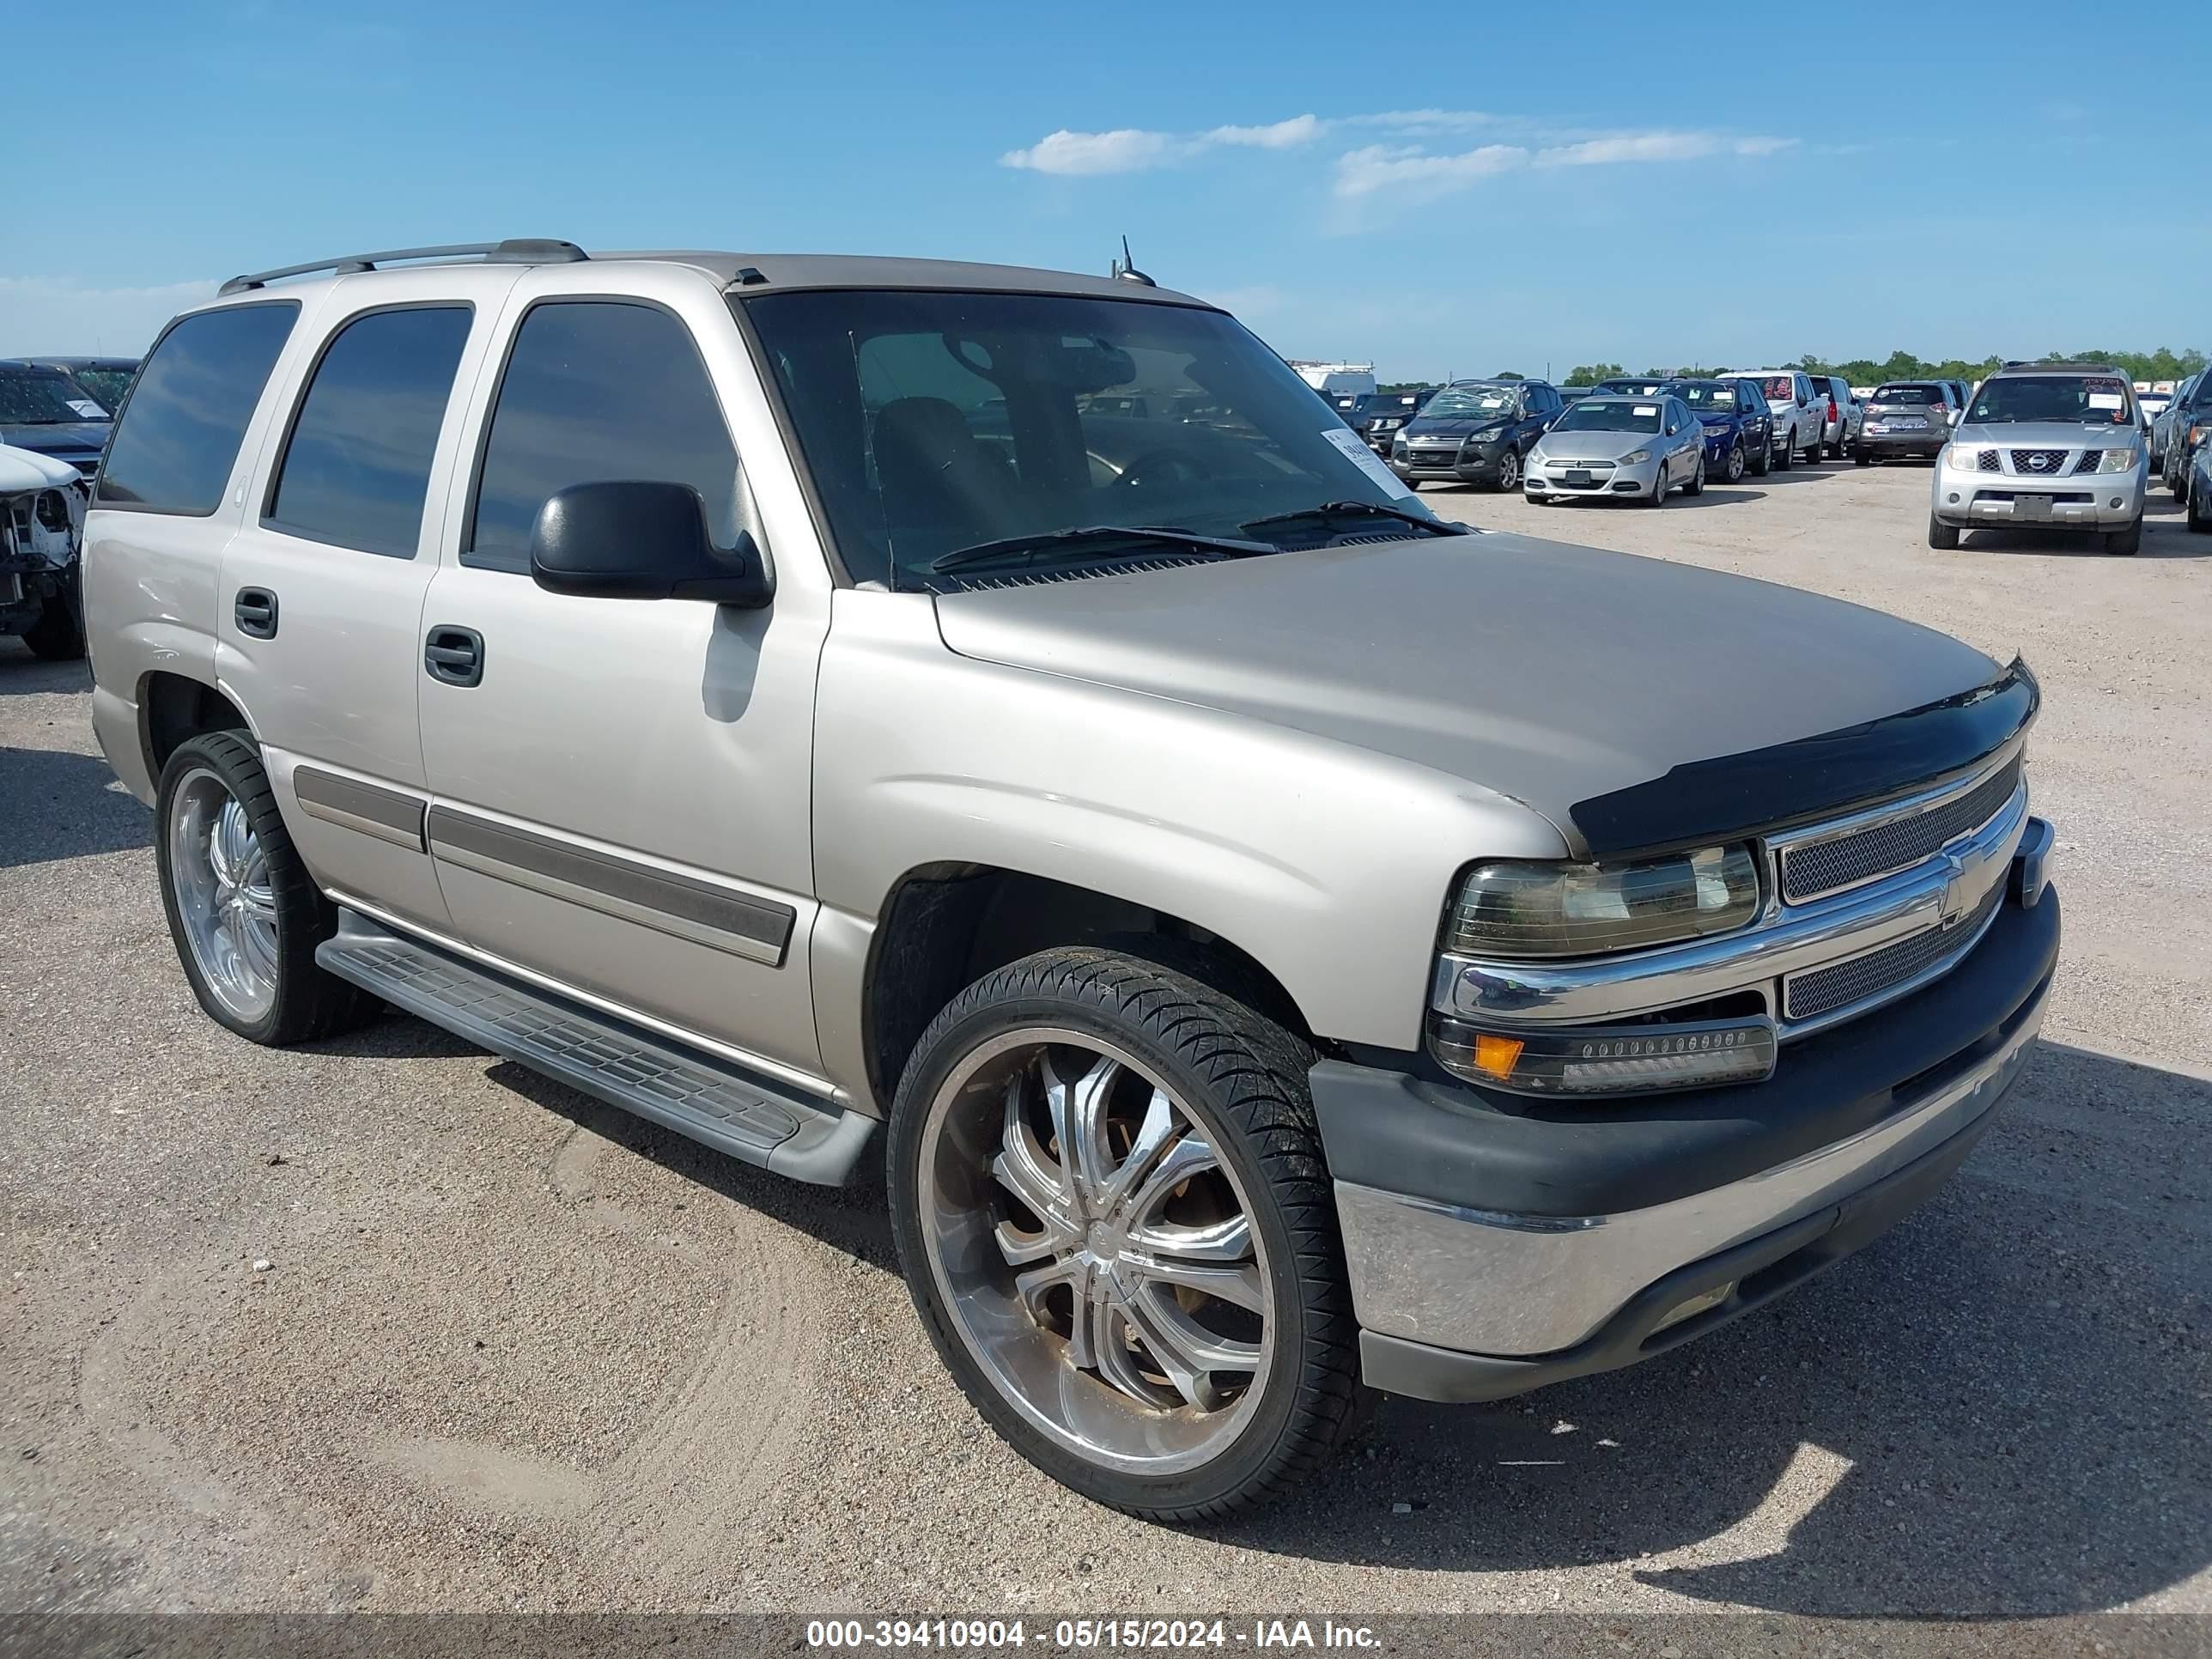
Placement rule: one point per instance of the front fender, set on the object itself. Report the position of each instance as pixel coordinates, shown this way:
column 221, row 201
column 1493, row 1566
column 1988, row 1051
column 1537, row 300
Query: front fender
column 1327, row 864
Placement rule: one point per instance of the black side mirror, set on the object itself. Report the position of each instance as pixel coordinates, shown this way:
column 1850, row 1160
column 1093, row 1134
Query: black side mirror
column 635, row 539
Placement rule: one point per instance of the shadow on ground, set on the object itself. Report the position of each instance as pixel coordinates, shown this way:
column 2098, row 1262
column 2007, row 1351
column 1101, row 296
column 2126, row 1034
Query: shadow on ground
column 1999, row 1409
column 54, row 804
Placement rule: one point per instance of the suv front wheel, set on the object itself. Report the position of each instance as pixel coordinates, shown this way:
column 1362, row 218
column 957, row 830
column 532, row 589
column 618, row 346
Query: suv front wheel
column 1115, row 1217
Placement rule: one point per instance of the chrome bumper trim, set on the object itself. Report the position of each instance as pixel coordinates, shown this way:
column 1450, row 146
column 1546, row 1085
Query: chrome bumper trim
column 1480, row 1282
column 1939, row 892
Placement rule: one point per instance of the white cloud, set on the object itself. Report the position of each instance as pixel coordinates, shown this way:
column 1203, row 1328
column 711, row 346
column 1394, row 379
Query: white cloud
column 61, row 316
column 1630, row 147
column 1417, row 175
column 1282, row 135
column 1126, row 150
column 1403, row 169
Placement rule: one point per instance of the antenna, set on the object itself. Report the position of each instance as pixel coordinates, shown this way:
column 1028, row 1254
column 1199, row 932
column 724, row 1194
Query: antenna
column 1125, row 272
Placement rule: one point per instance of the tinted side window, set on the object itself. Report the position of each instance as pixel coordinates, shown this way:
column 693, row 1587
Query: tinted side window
column 188, row 413
column 597, row 391
column 357, row 467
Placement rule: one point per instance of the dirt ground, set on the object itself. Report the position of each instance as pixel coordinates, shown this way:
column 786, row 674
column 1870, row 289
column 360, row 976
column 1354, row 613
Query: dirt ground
column 513, row 1349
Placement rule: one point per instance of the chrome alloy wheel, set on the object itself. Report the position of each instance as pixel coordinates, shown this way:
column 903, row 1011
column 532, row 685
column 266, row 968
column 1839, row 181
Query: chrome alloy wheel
column 219, row 873
column 1095, row 1250
column 1508, row 469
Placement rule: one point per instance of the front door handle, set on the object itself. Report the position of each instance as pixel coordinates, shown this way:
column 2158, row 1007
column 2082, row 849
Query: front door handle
column 454, row 656
column 255, row 611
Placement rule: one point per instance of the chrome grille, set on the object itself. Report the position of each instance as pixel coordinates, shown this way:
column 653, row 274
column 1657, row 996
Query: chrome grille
column 1988, row 461
column 1822, row 866
column 2043, row 463
column 1809, row 996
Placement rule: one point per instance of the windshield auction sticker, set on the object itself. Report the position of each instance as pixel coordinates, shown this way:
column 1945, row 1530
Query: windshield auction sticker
column 1367, row 460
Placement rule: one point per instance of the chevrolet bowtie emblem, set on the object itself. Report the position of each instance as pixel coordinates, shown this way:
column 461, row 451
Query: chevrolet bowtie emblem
column 1954, row 892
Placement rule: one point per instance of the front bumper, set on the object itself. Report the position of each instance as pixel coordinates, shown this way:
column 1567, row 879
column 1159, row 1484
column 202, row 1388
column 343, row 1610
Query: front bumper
column 2087, row 500
column 1497, row 1244
column 1466, row 465
column 1551, row 478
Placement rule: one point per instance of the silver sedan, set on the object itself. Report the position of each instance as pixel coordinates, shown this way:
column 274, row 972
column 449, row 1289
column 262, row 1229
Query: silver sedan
column 1638, row 447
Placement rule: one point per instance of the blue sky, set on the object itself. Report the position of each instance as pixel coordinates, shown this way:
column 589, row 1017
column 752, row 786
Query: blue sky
column 1510, row 188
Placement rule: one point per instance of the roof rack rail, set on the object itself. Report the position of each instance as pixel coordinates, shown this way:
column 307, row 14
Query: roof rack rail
column 515, row 250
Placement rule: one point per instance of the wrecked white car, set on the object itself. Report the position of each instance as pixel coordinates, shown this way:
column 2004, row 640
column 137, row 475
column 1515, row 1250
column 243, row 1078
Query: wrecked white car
column 41, row 526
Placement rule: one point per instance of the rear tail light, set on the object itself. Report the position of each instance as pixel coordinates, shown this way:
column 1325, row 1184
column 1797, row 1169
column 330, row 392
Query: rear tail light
column 1831, row 408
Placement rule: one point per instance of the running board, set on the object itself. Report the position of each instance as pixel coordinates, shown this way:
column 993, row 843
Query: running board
column 696, row 1094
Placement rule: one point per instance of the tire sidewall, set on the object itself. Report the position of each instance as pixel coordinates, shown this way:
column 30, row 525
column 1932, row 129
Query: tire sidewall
column 1257, row 1449
column 232, row 760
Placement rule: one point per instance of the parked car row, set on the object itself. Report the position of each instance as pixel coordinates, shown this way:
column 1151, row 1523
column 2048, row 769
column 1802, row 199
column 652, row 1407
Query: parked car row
column 2180, row 432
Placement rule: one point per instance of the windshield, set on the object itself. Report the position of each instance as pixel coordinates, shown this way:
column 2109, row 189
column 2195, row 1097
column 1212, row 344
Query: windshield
column 935, row 421
column 1709, row 399
column 2097, row 399
column 42, row 397
column 1632, row 388
column 107, row 385
column 1912, row 397
column 1460, row 402
column 1609, row 415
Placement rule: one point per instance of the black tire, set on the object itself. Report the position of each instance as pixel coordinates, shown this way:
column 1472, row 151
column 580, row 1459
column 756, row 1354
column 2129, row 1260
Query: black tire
column 1508, row 469
column 1940, row 536
column 2178, row 482
column 1659, row 490
column 1243, row 1077
column 1696, row 484
column 2200, row 512
column 1785, row 452
column 1763, row 463
column 1735, row 471
column 58, row 633
column 1862, row 456
column 308, row 1002
column 2128, row 540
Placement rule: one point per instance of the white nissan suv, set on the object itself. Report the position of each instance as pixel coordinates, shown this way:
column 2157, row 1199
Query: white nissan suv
column 2045, row 446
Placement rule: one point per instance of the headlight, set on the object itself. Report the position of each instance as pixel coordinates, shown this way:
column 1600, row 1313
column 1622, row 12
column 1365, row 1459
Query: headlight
column 2119, row 460
column 1634, row 456
column 1529, row 910
column 1966, row 460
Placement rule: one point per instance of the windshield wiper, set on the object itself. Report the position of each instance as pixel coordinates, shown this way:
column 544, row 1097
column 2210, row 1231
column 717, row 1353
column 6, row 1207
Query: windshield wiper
column 1328, row 510
column 1080, row 539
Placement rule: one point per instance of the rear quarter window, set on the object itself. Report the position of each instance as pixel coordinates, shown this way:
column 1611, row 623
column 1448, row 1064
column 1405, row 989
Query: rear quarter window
column 178, row 438
column 357, row 467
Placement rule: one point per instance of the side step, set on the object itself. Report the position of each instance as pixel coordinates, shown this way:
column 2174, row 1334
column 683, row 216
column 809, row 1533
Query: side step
column 734, row 1111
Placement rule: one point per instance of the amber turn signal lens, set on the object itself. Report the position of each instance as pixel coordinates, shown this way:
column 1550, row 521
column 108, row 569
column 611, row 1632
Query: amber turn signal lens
column 1496, row 1054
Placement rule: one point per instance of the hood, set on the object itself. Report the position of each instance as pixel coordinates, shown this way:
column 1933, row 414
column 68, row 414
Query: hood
column 1552, row 675
column 2048, row 435
column 1593, row 444
column 71, row 438
column 27, row 469
column 1454, row 426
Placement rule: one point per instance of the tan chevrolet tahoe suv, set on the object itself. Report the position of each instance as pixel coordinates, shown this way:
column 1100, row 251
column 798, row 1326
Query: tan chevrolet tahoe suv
column 1000, row 731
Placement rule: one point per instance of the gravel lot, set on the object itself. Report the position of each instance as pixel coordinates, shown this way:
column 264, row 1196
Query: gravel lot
column 516, row 1350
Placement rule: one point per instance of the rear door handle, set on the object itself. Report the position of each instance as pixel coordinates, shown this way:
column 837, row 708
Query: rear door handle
column 255, row 611
column 454, row 656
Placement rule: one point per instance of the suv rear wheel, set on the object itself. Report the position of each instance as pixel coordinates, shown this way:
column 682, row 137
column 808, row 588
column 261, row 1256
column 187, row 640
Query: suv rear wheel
column 1111, row 1204
column 58, row 633
column 244, row 912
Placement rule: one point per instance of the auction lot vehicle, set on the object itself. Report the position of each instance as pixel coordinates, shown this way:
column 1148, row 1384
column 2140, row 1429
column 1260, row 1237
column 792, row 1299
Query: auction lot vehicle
column 1385, row 413
column 41, row 511
column 1799, row 407
column 2181, row 431
column 1842, row 427
column 1739, row 431
column 42, row 408
column 1639, row 447
column 1905, row 419
column 1475, row 432
column 2045, row 446
column 107, row 378
column 1269, row 939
